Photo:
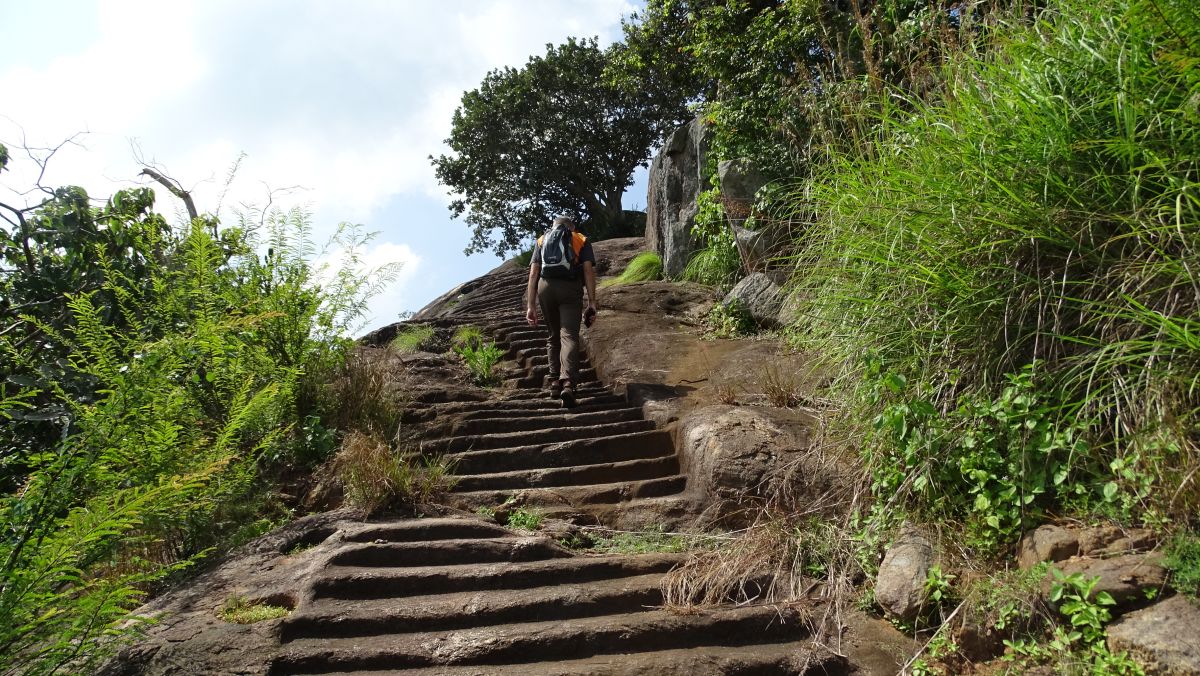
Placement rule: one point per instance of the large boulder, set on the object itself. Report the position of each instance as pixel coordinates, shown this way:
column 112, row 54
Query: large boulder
column 734, row 452
column 761, row 297
column 740, row 180
column 675, row 180
column 900, row 585
column 1162, row 637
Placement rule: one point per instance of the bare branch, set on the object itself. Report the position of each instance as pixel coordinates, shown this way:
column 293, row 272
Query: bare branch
column 175, row 188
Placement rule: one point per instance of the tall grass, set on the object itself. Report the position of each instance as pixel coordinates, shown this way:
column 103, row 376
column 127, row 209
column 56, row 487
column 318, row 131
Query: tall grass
column 645, row 267
column 1037, row 219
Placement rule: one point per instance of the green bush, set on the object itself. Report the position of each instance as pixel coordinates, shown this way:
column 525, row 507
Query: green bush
column 729, row 320
column 1183, row 560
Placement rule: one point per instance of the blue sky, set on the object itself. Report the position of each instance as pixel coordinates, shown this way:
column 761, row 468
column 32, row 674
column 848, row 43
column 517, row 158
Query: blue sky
column 344, row 99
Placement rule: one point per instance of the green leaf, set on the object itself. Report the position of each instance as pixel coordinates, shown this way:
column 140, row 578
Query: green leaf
column 1110, row 490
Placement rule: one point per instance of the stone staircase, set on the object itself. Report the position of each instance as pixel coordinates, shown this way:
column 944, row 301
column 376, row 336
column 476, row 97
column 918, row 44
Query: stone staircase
column 462, row 595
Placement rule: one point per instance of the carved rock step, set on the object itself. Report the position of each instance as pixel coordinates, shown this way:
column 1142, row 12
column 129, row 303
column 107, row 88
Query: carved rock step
column 449, row 552
column 577, row 496
column 370, row 582
column 518, row 422
column 426, row 530
column 758, row 660
column 478, row 442
column 552, row 601
column 577, row 475
column 651, row 630
column 634, row 446
column 586, row 389
column 543, row 405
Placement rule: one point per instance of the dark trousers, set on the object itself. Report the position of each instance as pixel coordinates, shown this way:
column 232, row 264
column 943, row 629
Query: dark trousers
column 562, row 307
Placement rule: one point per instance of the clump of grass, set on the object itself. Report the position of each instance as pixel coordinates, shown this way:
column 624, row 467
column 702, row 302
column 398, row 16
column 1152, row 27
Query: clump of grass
column 366, row 399
column 375, row 477
column 239, row 610
column 716, row 265
column 524, row 519
column 479, row 356
column 773, row 560
column 782, row 388
column 412, row 338
column 645, row 267
column 653, row 540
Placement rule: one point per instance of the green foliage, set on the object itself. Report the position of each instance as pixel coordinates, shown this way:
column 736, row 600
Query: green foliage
column 729, row 320
column 717, row 262
column 1020, row 242
column 645, row 267
column 412, row 338
column 555, row 136
column 1183, row 560
column 480, row 357
column 524, row 519
column 239, row 610
column 147, row 377
column 1081, row 646
column 652, row 540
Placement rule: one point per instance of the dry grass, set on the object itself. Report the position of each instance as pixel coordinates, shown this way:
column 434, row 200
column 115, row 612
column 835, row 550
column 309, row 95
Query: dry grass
column 376, row 477
column 366, row 393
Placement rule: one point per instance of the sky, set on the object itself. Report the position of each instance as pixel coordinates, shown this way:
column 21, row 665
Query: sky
column 336, row 107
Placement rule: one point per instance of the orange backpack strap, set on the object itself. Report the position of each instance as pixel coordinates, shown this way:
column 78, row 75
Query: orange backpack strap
column 577, row 242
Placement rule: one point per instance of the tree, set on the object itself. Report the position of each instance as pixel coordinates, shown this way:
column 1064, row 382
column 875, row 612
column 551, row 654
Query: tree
column 556, row 136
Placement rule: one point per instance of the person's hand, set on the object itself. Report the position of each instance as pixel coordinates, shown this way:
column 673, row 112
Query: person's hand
column 589, row 315
column 531, row 316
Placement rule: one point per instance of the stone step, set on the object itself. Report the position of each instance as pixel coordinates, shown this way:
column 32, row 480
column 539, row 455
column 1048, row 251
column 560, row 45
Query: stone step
column 426, row 530
column 771, row 659
column 537, row 378
column 576, row 475
column 552, row 601
column 448, row 552
column 588, row 389
column 478, row 442
column 636, row 445
column 516, row 422
column 651, row 630
column 542, row 404
column 370, row 582
column 576, row 496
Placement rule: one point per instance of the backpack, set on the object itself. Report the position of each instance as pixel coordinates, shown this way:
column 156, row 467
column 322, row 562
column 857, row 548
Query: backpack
column 560, row 252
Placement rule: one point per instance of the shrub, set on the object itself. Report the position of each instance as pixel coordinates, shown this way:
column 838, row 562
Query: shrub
column 376, row 477
column 729, row 320
column 1183, row 560
column 480, row 357
column 645, row 267
column 524, row 519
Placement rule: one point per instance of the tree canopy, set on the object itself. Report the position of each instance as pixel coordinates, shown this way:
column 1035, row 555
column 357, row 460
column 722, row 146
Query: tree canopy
column 556, row 136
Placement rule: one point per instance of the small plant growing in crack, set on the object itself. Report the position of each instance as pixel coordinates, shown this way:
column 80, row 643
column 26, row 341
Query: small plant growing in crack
column 480, row 357
column 524, row 519
column 240, row 610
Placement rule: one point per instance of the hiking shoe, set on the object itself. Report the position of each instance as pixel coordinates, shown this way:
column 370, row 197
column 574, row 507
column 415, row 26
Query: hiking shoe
column 556, row 388
column 567, row 395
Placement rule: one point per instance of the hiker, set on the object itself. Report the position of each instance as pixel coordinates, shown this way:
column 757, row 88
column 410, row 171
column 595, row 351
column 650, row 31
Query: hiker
column 562, row 265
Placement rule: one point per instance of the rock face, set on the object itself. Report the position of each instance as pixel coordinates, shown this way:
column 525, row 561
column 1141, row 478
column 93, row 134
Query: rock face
column 1051, row 543
column 900, row 585
column 740, row 180
column 729, row 452
column 674, row 181
column 1128, row 578
column 1163, row 637
column 761, row 296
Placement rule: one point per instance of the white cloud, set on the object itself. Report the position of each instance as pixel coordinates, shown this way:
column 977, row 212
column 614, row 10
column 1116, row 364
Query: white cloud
column 346, row 99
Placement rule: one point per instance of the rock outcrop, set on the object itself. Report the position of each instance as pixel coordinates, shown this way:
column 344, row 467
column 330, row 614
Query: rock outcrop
column 761, row 297
column 676, row 178
column 1164, row 638
column 900, row 585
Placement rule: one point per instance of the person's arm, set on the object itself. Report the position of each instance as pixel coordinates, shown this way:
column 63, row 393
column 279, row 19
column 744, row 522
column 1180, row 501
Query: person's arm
column 535, row 271
column 589, row 280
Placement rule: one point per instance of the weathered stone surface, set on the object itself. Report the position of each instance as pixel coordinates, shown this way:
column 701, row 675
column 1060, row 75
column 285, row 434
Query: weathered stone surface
column 739, row 179
column 760, row 296
column 1046, row 543
column 900, row 585
column 1127, row 578
column 673, row 183
column 729, row 452
column 1165, row 637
